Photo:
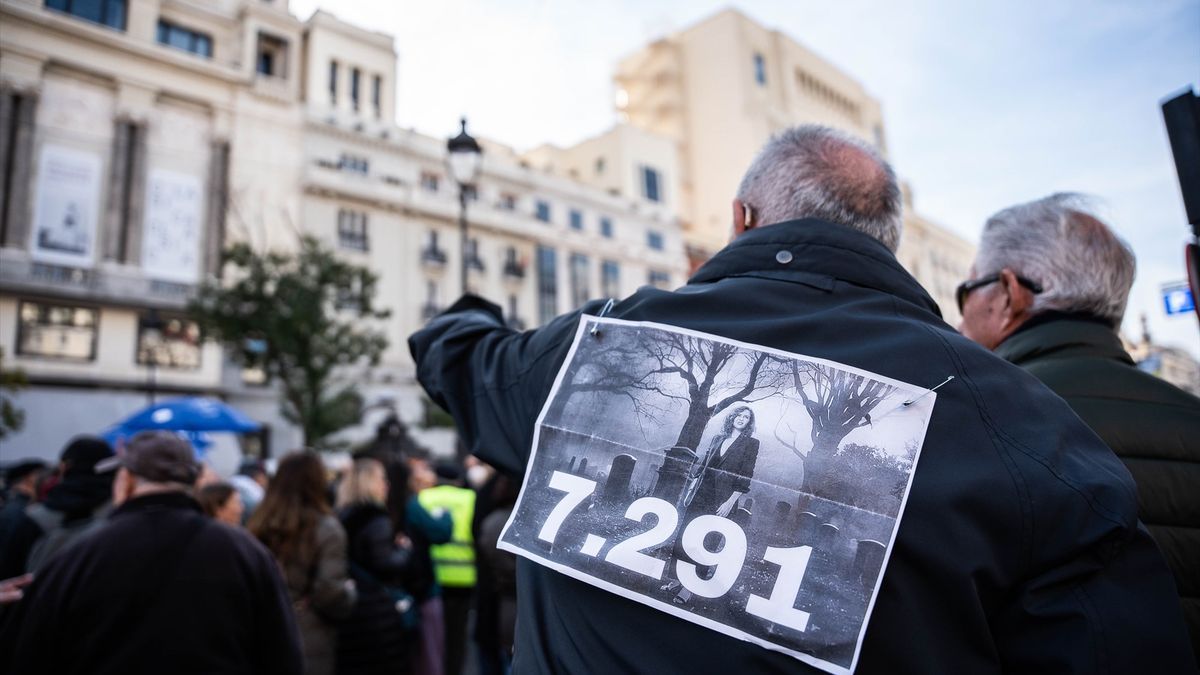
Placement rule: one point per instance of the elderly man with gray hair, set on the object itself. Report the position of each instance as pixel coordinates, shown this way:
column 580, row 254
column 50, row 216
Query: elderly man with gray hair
column 1018, row 549
column 1048, row 292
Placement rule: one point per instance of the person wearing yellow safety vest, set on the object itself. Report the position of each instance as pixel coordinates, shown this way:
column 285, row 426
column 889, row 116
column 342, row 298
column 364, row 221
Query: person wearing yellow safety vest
column 454, row 561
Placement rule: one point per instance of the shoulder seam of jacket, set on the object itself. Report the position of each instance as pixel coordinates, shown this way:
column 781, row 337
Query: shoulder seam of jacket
column 1000, row 448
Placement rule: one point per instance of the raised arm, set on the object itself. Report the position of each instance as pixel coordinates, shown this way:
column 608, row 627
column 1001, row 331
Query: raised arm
column 491, row 379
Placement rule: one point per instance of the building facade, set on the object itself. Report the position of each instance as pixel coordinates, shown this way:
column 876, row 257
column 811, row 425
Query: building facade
column 141, row 136
column 137, row 135
column 540, row 241
column 720, row 88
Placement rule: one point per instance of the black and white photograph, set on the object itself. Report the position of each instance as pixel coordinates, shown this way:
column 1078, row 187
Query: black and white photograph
column 68, row 194
column 745, row 489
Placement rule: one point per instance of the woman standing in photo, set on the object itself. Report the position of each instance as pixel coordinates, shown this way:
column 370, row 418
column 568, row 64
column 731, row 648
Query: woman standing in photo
column 719, row 480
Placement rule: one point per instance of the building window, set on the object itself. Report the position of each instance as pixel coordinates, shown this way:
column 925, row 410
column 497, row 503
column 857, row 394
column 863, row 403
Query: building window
column 547, row 267
column 580, row 268
column 576, row 219
column 272, row 56
column 472, row 255
column 508, row 202
column 599, row 165
column 377, row 95
column 109, row 13
column 651, row 184
column 333, row 78
column 354, row 164
column 606, row 228
column 659, row 279
column 352, row 230
column 168, row 342
column 654, row 240
column 56, row 331
column 610, row 279
column 430, row 181
column 182, row 38
column 542, row 211
column 760, row 69
column 355, row 76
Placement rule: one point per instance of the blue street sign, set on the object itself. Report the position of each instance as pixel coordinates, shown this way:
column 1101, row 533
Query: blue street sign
column 1177, row 298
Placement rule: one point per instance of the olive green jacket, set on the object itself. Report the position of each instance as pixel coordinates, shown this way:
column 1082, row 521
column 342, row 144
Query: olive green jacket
column 1153, row 426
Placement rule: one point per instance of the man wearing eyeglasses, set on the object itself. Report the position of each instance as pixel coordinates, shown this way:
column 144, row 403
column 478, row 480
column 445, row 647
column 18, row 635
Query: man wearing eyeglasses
column 1048, row 294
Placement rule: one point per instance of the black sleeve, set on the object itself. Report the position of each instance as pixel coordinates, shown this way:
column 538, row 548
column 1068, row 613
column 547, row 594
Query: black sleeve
column 278, row 638
column 383, row 558
column 491, row 379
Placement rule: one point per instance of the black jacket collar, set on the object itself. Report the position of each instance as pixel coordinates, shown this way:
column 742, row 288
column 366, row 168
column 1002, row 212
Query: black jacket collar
column 821, row 252
column 1062, row 335
column 174, row 500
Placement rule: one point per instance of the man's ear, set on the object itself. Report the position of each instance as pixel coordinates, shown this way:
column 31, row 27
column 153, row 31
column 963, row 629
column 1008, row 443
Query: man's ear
column 1020, row 300
column 743, row 218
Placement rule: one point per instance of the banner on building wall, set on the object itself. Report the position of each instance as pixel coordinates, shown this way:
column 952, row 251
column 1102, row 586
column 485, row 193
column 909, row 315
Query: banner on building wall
column 172, row 225
column 67, row 207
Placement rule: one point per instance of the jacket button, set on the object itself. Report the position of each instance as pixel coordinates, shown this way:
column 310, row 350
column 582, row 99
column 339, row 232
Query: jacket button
column 783, row 257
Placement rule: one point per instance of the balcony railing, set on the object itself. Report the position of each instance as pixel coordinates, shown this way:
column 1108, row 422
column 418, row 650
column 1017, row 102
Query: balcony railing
column 514, row 270
column 475, row 263
column 433, row 257
column 429, row 310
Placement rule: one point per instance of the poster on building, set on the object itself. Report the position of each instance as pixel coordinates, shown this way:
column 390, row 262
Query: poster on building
column 67, row 207
column 748, row 490
column 172, row 226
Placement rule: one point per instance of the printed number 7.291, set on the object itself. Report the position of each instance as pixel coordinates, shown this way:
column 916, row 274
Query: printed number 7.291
column 726, row 563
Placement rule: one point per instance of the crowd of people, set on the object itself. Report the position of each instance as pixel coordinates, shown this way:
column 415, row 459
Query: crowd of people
column 369, row 569
column 1022, row 548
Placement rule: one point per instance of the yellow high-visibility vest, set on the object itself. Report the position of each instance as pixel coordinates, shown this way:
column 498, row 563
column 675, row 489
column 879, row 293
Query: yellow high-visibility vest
column 454, row 561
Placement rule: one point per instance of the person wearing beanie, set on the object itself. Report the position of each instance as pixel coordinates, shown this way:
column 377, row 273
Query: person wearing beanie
column 80, row 499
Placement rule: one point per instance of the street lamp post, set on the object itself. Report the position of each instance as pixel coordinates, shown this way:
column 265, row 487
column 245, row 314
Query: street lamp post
column 464, row 158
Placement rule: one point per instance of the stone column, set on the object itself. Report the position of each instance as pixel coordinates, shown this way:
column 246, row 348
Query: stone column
column 17, row 125
column 218, row 204
column 121, row 232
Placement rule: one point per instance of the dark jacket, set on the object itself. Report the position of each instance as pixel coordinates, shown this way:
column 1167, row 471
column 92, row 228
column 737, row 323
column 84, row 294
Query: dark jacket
column 373, row 639
column 1153, row 427
column 159, row 588
column 498, row 569
column 1019, row 548
column 722, row 476
column 69, row 509
column 318, row 590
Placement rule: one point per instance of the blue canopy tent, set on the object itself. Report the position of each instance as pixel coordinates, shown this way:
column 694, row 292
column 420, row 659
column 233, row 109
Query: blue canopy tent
column 190, row 416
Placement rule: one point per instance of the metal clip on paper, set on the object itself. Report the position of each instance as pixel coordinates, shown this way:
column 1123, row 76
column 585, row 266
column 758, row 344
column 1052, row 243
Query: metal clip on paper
column 595, row 330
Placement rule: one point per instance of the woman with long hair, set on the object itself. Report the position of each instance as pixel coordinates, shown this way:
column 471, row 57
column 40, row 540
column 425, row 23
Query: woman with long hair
column 375, row 638
column 296, row 523
column 720, row 478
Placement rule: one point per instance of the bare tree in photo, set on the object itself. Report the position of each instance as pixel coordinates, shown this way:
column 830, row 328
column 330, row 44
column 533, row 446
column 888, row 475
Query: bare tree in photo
column 838, row 402
column 700, row 363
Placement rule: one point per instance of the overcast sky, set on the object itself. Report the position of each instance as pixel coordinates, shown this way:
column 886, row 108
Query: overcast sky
column 985, row 104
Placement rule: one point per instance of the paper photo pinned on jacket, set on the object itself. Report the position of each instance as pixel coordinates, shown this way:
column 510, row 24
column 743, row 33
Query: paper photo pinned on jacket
column 752, row 491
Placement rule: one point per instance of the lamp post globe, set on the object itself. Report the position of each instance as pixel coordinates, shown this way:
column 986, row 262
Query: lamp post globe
column 464, row 159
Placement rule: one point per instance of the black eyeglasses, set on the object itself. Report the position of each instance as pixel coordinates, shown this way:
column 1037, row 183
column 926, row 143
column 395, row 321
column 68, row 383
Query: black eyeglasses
column 964, row 289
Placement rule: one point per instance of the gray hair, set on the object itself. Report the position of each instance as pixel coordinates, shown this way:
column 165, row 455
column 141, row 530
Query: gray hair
column 1056, row 241
column 811, row 171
